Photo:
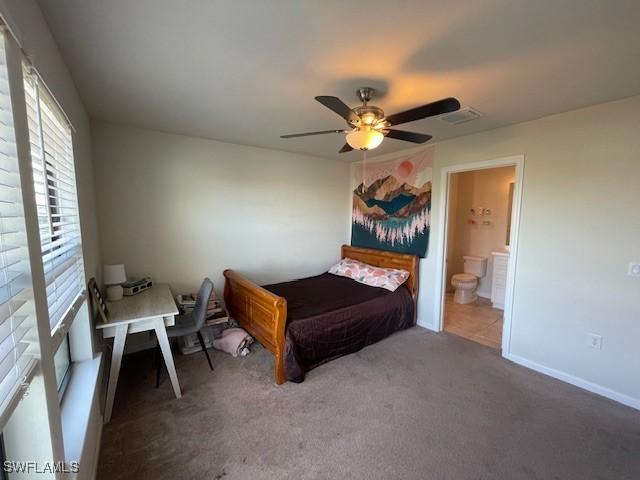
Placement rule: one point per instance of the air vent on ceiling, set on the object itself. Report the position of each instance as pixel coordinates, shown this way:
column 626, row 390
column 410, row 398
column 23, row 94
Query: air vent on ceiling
column 465, row 114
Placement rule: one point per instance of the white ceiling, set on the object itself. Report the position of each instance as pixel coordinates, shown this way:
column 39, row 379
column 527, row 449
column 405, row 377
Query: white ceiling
column 247, row 71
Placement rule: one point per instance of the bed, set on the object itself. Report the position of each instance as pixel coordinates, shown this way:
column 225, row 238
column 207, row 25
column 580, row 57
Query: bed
column 310, row 321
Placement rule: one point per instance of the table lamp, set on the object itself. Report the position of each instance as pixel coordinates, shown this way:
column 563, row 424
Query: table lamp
column 114, row 275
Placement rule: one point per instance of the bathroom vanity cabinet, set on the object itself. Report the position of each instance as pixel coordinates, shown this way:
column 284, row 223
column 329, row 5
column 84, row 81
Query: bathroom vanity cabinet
column 499, row 279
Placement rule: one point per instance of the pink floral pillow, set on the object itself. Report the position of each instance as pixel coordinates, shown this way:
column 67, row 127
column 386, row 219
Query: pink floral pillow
column 389, row 278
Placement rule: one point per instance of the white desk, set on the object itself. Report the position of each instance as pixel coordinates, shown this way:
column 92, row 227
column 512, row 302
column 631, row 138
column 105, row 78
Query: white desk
column 153, row 309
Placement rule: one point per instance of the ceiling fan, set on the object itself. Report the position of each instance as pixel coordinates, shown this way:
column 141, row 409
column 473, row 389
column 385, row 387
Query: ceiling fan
column 368, row 124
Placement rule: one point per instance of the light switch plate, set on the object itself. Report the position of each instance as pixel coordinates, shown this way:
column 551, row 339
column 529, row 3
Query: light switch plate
column 634, row 269
column 594, row 341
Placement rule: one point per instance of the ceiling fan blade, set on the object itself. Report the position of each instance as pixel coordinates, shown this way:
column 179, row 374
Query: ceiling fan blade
column 445, row 105
column 306, row 134
column 346, row 148
column 408, row 136
column 338, row 106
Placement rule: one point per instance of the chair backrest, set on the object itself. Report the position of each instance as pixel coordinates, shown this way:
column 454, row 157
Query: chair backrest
column 200, row 310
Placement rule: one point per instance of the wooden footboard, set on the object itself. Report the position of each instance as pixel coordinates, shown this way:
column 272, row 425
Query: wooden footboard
column 260, row 312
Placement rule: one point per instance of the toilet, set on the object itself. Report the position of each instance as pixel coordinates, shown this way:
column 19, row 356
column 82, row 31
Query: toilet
column 466, row 283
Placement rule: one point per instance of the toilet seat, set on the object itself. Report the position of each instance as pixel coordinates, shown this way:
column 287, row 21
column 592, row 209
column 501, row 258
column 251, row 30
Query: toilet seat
column 462, row 278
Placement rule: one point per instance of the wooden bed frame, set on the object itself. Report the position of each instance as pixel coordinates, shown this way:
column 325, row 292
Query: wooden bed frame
column 264, row 314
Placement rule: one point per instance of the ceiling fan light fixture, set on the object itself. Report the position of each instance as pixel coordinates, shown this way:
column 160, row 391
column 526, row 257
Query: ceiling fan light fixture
column 364, row 138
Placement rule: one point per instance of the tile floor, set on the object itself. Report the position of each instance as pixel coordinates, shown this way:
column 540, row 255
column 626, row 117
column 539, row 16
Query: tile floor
column 477, row 321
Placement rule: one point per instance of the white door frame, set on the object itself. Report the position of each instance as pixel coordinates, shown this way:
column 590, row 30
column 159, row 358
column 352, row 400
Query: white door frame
column 441, row 243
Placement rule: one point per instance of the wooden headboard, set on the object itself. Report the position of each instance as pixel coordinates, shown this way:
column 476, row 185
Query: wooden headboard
column 384, row 259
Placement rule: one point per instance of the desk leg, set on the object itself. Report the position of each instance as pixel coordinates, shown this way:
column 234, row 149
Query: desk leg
column 116, row 359
column 163, row 341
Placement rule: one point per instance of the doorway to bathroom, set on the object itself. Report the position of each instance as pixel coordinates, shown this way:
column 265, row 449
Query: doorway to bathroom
column 477, row 249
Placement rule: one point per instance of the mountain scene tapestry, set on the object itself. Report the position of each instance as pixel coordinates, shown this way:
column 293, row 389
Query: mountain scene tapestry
column 392, row 204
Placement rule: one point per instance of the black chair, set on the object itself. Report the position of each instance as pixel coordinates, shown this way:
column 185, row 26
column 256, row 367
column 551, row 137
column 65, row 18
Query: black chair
column 189, row 324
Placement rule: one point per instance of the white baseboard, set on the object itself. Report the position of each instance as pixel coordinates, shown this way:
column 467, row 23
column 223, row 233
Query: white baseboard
column 576, row 381
column 427, row 326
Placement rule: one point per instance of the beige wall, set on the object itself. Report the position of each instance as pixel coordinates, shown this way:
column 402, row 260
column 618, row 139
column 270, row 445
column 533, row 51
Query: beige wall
column 180, row 208
column 580, row 225
column 486, row 188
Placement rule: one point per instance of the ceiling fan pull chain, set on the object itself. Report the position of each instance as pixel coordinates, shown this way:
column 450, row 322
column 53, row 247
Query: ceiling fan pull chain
column 364, row 170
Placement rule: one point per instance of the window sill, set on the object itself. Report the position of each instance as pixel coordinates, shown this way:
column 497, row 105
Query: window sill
column 77, row 402
column 62, row 328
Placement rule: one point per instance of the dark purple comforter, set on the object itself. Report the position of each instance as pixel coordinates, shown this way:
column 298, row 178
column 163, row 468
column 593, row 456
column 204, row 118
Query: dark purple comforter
column 330, row 316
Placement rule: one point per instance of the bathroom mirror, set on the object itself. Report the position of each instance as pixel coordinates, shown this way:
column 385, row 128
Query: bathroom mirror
column 509, row 209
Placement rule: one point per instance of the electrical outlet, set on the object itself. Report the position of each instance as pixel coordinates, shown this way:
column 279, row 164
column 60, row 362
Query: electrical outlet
column 634, row 269
column 595, row 341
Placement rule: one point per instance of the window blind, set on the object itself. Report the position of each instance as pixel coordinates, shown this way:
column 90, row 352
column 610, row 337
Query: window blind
column 17, row 320
column 56, row 199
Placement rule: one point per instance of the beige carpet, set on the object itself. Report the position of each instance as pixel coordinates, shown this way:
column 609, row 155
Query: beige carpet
column 415, row 406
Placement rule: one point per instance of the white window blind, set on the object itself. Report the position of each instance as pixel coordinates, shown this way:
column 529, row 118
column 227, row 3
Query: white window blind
column 17, row 320
column 56, row 198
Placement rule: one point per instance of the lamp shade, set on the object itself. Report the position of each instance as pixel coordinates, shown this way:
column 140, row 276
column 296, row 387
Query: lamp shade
column 114, row 274
column 364, row 138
